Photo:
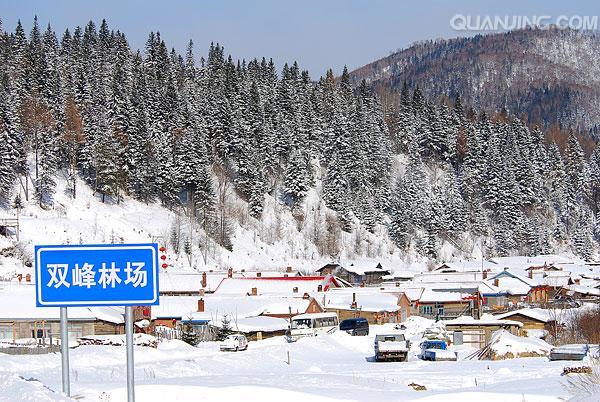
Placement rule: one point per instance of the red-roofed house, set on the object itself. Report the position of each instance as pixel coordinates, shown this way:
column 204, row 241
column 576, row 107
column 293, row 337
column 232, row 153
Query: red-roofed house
column 293, row 285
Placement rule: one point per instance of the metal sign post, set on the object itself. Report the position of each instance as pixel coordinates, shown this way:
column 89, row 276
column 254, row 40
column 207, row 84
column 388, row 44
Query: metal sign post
column 64, row 350
column 97, row 275
column 129, row 341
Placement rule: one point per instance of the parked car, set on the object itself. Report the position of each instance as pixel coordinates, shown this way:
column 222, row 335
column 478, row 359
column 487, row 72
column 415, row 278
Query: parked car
column 355, row 326
column 569, row 352
column 435, row 350
column 391, row 347
column 234, row 343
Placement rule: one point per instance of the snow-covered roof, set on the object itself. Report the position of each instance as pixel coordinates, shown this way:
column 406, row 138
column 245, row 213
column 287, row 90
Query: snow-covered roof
column 175, row 306
column 431, row 296
column 182, row 281
column 533, row 313
column 438, row 277
column 486, row 320
column 584, row 290
column 373, row 301
column 275, row 286
column 556, row 281
column 17, row 302
column 315, row 315
column 466, row 266
column 398, row 275
column 216, row 306
column 523, row 262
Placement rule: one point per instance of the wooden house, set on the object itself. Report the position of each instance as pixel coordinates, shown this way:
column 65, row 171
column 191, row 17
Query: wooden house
column 532, row 319
column 357, row 272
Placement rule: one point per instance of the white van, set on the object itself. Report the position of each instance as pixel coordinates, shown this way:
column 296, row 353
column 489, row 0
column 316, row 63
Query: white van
column 312, row 325
column 234, row 343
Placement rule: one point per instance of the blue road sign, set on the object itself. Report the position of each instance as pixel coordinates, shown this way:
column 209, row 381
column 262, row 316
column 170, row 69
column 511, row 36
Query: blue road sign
column 96, row 275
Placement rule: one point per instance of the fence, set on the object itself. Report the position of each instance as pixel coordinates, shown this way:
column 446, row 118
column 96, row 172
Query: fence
column 26, row 350
column 167, row 333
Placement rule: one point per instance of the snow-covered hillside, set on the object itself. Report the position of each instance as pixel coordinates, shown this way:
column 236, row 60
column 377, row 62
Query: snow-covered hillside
column 274, row 242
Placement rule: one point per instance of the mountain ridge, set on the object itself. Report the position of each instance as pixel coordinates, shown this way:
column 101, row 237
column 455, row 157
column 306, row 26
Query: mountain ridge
column 549, row 76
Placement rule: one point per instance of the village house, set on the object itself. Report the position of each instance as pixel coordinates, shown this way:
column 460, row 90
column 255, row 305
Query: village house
column 442, row 305
column 532, row 319
column 357, row 272
column 377, row 307
column 518, row 288
column 21, row 319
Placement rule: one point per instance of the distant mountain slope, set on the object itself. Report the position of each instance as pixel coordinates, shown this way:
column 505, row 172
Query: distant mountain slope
column 549, row 75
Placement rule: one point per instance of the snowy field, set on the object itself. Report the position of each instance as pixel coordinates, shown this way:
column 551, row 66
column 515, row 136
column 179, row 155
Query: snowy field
column 334, row 367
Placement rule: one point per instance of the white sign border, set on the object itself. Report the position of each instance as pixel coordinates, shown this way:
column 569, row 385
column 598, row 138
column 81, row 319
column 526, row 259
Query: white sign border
column 96, row 303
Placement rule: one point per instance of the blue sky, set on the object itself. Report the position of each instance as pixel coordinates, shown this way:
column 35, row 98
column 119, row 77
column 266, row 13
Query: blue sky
column 319, row 34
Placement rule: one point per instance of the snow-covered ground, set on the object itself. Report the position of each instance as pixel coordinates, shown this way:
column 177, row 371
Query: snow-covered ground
column 334, row 367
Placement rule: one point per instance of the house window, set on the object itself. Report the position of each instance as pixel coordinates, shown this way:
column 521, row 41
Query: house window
column 6, row 332
column 426, row 310
column 439, row 308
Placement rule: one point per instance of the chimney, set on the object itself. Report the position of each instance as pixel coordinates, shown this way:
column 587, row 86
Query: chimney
column 530, row 274
column 353, row 305
column 201, row 292
column 306, row 296
column 254, row 292
column 496, row 282
column 295, row 290
column 203, row 279
column 201, row 305
column 288, row 269
column 577, row 281
column 20, row 277
column 258, row 274
column 484, row 274
column 28, row 278
column 230, row 273
column 320, row 288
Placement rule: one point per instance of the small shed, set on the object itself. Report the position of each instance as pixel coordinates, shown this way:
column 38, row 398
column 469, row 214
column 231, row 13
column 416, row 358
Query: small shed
column 478, row 333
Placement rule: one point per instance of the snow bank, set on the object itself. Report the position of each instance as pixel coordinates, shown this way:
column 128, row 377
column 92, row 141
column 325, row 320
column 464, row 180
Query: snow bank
column 236, row 393
column 505, row 345
column 14, row 387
